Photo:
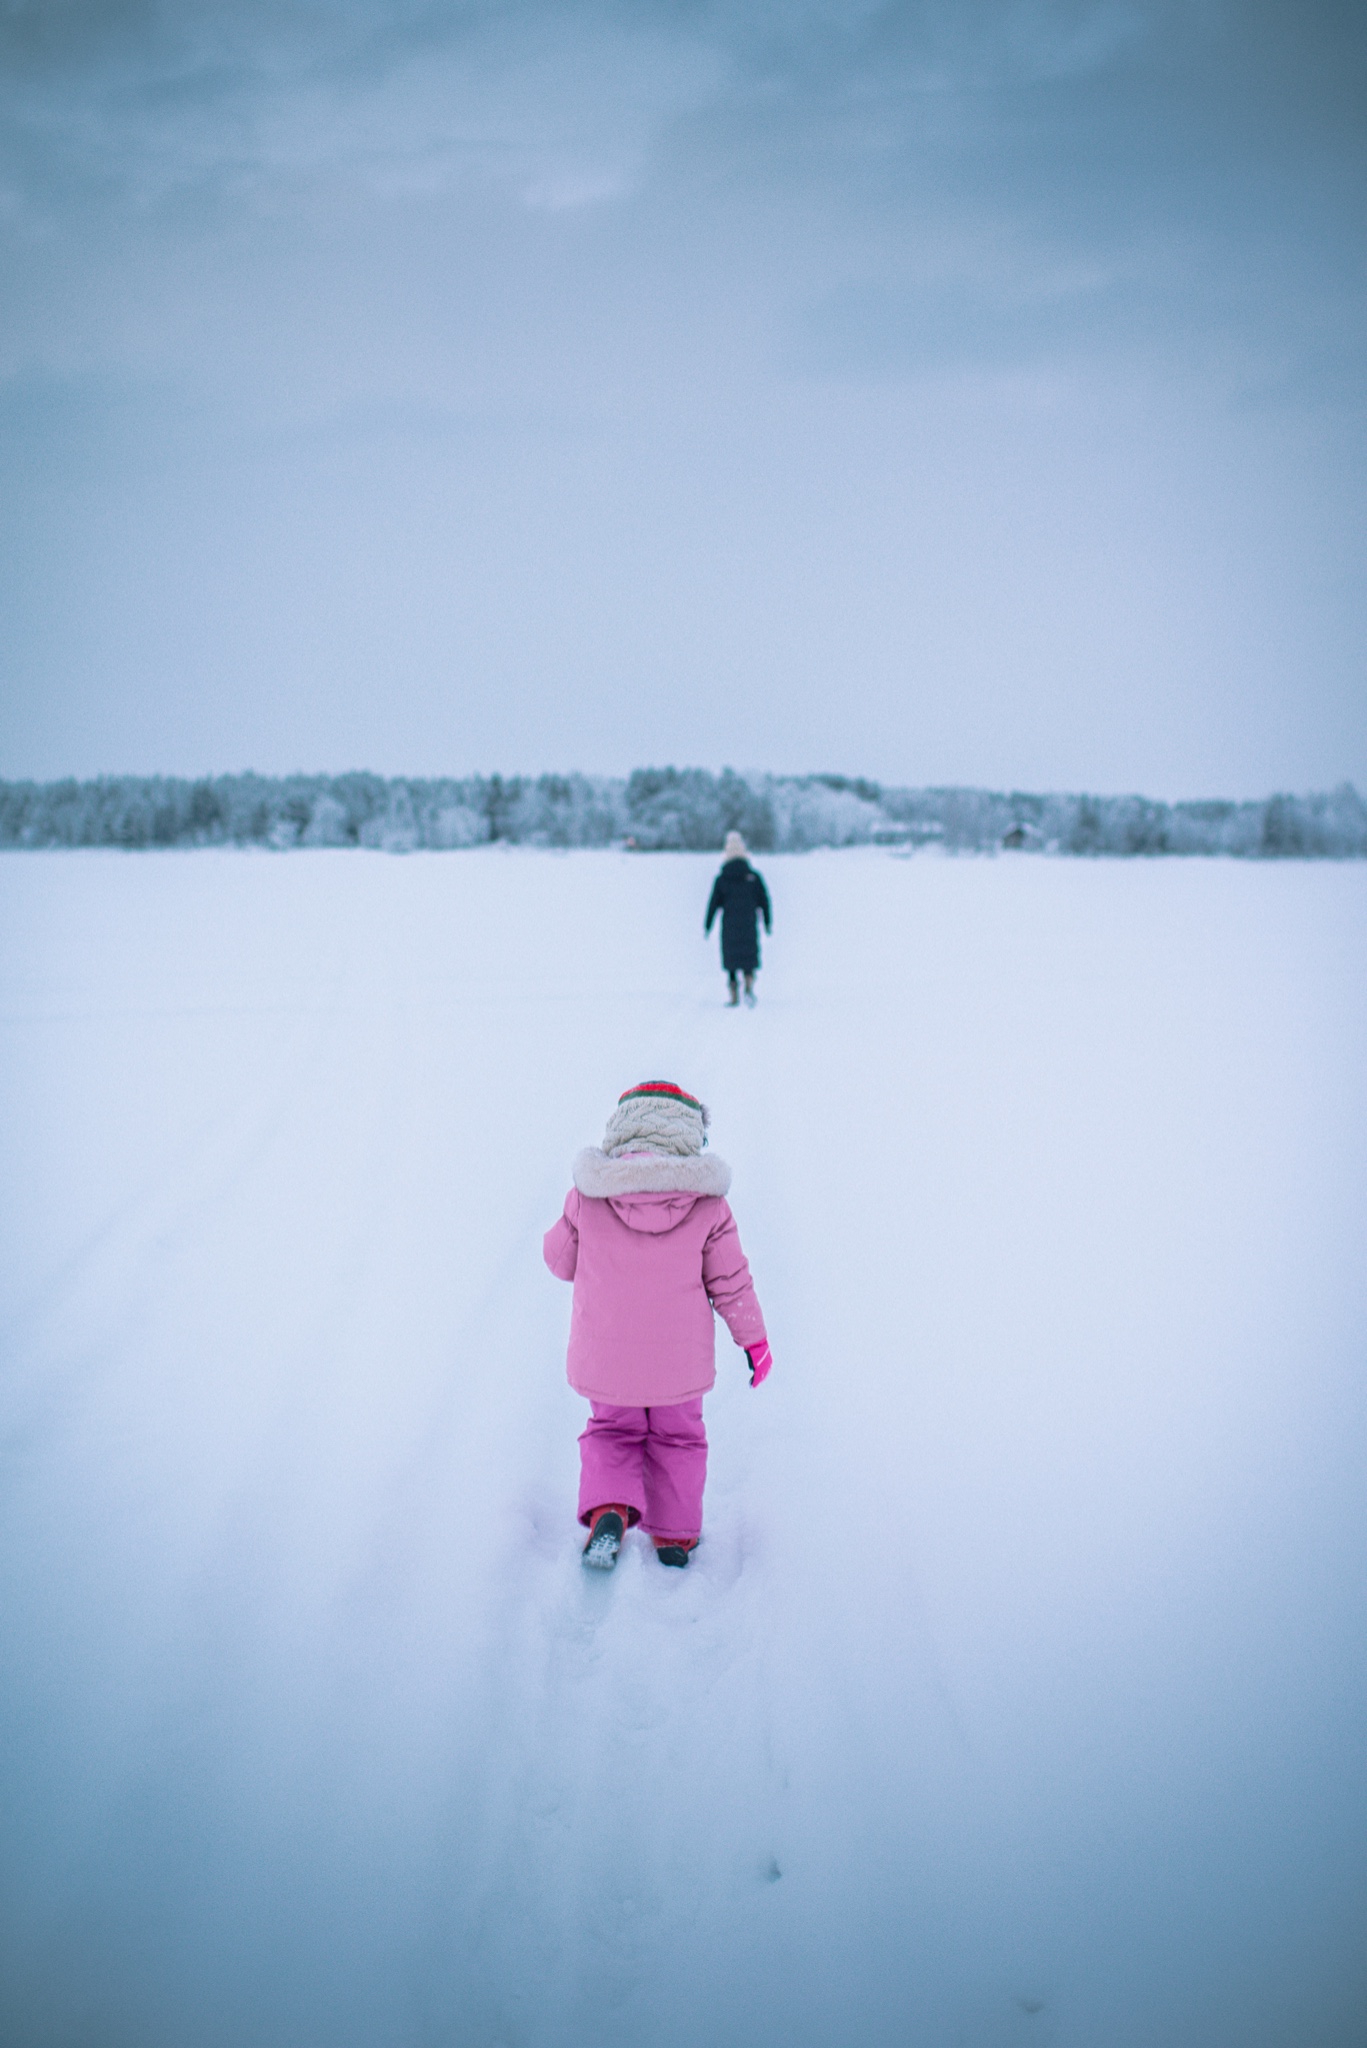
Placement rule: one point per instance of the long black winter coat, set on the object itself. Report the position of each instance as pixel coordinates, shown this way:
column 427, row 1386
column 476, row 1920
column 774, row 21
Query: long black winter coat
column 741, row 897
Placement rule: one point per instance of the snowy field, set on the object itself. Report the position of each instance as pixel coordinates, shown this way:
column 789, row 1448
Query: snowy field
column 1018, row 1693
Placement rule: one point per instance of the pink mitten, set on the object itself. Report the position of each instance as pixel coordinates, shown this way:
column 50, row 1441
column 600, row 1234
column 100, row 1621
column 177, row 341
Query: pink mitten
column 761, row 1360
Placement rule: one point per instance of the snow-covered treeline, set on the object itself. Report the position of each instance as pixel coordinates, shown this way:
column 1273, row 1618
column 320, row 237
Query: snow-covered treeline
column 658, row 809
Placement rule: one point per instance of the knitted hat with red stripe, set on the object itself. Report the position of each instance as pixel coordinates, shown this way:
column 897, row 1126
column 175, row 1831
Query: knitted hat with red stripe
column 657, row 1117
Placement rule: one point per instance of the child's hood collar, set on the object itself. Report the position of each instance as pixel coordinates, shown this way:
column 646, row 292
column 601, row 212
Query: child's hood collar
column 649, row 1173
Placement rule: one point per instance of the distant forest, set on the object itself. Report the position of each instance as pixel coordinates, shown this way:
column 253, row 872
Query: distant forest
column 659, row 810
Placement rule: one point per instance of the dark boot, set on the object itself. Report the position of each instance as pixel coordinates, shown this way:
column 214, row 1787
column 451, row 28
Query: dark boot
column 750, row 990
column 606, row 1531
column 674, row 1550
column 734, row 996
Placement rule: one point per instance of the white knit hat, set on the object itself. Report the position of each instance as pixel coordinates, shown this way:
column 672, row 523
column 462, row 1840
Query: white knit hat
column 657, row 1117
column 734, row 848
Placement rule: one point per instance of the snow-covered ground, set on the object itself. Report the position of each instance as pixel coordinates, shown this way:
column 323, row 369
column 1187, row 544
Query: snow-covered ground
column 1018, row 1692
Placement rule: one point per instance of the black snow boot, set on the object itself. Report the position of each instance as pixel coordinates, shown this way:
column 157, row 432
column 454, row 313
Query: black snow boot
column 605, row 1540
column 674, row 1553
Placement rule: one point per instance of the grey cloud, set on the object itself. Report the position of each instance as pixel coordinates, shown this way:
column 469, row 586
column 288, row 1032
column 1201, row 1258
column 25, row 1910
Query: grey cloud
column 144, row 103
column 87, row 82
column 880, row 107
column 1045, row 306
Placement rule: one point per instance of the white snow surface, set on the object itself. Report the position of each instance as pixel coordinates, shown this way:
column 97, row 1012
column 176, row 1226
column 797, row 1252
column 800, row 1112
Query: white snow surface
column 1018, row 1690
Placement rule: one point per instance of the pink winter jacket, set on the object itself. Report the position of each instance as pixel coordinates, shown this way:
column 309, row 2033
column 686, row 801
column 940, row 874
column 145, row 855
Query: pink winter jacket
column 652, row 1249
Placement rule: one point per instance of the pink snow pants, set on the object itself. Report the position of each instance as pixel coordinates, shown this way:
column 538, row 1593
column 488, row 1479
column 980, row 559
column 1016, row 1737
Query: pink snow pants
column 651, row 1460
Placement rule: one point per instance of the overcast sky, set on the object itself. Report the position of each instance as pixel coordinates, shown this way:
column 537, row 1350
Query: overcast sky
column 962, row 391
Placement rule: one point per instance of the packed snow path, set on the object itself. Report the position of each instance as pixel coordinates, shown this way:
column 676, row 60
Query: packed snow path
column 1017, row 1693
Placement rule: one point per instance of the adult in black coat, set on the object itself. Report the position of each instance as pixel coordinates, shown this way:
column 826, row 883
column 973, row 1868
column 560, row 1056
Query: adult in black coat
column 741, row 897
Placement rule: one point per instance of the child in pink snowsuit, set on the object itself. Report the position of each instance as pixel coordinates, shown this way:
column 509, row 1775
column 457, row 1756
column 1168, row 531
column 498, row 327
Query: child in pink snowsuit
column 652, row 1249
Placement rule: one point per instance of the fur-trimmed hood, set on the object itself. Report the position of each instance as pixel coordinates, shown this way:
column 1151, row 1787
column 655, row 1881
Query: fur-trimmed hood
column 649, row 1173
